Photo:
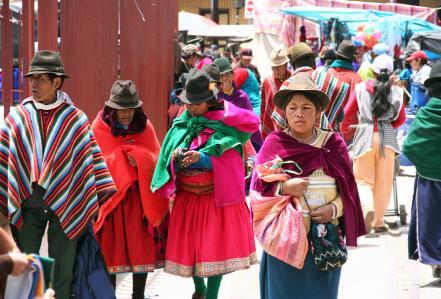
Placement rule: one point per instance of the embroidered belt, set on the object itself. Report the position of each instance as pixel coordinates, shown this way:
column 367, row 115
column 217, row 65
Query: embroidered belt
column 197, row 182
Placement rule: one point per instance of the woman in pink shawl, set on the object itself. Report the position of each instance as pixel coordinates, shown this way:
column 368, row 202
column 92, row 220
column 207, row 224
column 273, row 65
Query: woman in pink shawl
column 210, row 231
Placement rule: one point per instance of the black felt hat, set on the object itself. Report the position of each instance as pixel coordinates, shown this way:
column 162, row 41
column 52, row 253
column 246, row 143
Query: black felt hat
column 123, row 95
column 346, row 50
column 198, row 88
column 46, row 62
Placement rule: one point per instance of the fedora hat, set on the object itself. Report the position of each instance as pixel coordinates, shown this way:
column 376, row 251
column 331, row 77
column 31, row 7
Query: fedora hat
column 298, row 51
column 123, row 95
column 435, row 74
column 46, row 62
column 223, row 64
column 303, row 83
column 213, row 71
column 346, row 50
column 198, row 88
column 278, row 57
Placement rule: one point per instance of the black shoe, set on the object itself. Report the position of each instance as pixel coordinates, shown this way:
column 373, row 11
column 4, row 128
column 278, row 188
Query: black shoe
column 436, row 271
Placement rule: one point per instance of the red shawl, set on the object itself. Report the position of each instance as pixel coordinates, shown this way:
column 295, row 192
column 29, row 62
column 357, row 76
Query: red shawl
column 144, row 148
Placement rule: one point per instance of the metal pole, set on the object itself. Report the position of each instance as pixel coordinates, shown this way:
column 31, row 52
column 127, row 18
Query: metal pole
column 48, row 25
column 7, row 56
column 28, row 40
column 215, row 11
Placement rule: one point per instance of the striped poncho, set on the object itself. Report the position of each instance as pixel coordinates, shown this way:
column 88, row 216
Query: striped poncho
column 69, row 166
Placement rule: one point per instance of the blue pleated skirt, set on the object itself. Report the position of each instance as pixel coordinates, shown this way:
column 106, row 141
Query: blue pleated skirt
column 425, row 223
column 279, row 280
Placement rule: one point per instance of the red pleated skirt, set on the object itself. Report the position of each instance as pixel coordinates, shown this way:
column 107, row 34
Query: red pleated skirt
column 126, row 238
column 203, row 239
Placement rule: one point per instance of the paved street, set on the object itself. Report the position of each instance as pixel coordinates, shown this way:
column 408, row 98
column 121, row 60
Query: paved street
column 378, row 269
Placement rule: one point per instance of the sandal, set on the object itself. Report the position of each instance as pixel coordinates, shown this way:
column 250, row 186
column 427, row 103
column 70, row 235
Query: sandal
column 380, row 229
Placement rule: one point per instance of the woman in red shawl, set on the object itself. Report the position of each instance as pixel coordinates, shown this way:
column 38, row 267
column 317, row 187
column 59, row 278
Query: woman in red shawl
column 130, row 225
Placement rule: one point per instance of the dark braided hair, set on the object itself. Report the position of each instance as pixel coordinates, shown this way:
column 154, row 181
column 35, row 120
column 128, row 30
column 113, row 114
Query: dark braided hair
column 138, row 124
column 380, row 103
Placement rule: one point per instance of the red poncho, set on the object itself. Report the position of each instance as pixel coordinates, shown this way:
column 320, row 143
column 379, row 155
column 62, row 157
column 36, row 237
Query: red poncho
column 144, row 148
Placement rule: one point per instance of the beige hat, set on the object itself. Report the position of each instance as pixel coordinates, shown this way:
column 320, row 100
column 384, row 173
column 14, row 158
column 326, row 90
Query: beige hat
column 303, row 83
column 279, row 57
column 190, row 49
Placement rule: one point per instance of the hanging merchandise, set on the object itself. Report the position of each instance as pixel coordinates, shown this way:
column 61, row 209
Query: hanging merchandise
column 335, row 31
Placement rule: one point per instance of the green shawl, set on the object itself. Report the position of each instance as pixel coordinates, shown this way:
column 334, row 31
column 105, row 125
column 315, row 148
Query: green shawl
column 423, row 143
column 184, row 130
column 342, row 64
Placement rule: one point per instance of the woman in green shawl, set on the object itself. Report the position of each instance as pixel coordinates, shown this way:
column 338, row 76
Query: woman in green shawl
column 423, row 148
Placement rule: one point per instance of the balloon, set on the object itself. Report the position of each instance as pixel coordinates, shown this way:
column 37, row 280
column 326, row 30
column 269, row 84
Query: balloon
column 369, row 29
column 377, row 35
column 370, row 42
column 360, row 36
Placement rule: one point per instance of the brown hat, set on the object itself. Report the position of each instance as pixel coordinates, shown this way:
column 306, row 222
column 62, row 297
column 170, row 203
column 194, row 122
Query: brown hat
column 123, row 95
column 298, row 51
column 303, row 83
column 279, row 57
column 346, row 50
column 46, row 62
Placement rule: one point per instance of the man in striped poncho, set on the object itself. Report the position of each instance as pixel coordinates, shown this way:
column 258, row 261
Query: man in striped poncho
column 302, row 59
column 51, row 169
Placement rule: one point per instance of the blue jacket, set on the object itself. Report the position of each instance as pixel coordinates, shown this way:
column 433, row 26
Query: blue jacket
column 91, row 279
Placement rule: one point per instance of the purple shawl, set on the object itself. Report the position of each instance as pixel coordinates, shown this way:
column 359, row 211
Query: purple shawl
column 333, row 158
column 238, row 98
column 241, row 100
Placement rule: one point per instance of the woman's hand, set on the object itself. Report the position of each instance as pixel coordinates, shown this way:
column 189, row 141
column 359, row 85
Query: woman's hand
column 20, row 263
column 295, row 187
column 191, row 157
column 322, row 214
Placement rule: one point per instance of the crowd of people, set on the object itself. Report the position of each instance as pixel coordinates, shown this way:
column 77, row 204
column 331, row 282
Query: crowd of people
column 313, row 144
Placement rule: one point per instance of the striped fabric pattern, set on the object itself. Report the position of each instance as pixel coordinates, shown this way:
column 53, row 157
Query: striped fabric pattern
column 70, row 166
column 269, row 87
column 338, row 92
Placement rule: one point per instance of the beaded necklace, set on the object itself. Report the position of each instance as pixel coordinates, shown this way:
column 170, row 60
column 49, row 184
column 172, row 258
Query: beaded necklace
column 307, row 140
